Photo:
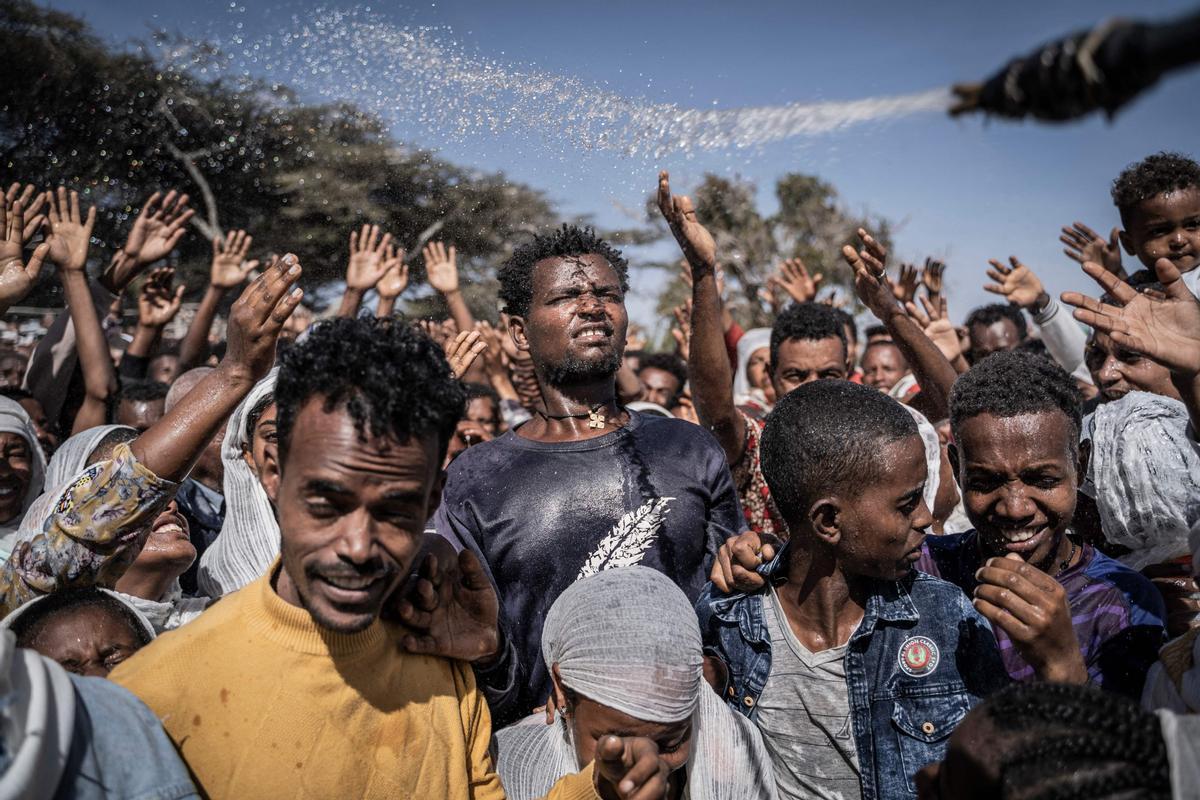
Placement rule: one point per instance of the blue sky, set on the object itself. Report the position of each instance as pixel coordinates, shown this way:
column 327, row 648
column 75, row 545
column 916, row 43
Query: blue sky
column 965, row 191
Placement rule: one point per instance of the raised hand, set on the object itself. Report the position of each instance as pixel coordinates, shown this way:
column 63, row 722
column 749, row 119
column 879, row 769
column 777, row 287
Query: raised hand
column 17, row 277
column 158, row 228
column 792, row 276
column 1084, row 244
column 69, row 231
column 451, row 610
column 933, row 277
column 1031, row 607
column 935, row 323
column 31, row 202
column 395, row 276
column 870, row 273
column 629, row 768
column 441, row 267
column 258, row 316
column 1016, row 283
column 368, row 249
column 905, row 288
column 1166, row 329
column 833, row 298
column 462, row 352
column 698, row 245
column 682, row 332
column 158, row 303
column 229, row 264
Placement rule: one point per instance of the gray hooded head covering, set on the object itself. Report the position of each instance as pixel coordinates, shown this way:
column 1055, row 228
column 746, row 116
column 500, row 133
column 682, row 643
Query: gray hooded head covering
column 628, row 639
column 1144, row 474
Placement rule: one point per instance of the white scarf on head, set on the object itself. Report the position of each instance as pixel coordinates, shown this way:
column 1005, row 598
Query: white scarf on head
column 751, row 342
column 13, row 419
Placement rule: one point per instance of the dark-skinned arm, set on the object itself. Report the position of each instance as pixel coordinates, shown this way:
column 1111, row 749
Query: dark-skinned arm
column 709, row 373
column 934, row 373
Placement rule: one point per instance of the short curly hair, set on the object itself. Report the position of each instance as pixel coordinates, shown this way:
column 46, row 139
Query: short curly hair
column 667, row 362
column 1013, row 383
column 143, row 392
column 390, row 376
column 516, row 274
column 826, row 436
column 807, row 322
column 997, row 312
column 1154, row 175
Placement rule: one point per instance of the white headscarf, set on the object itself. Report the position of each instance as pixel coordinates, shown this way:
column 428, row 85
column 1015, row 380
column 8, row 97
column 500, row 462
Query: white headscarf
column 752, row 341
column 13, row 419
column 1144, row 474
column 933, row 455
column 146, row 625
column 249, row 539
column 37, row 719
column 628, row 639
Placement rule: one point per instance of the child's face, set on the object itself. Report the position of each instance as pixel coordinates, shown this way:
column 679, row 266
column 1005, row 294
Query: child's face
column 1166, row 226
column 883, row 528
column 1019, row 477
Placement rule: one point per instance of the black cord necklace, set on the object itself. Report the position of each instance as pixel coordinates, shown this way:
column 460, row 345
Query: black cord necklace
column 1066, row 562
column 596, row 420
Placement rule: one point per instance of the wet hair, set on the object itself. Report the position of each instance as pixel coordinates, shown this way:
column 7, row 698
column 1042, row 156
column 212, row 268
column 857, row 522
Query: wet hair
column 1077, row 743
column 1154, row 175
column 849, row 323
column 516, row 275
column 1014, row 383
column 104, row 448
column 256, row 412
column 827, row 436
column 667, row 362
column 143, row 392
column 40, row 616
column 390, row 376
column 807, row 322
column 998, row 312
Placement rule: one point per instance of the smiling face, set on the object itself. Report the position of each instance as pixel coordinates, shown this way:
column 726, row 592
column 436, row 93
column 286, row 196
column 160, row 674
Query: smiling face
column 1019, row 476
column 169, row 546
column 883, row 366
column 803, row 361
column 352, row 513
column 881, row 528
column 1166, row 226
column 575, row 329
column 16, row 471
column 1117, row 370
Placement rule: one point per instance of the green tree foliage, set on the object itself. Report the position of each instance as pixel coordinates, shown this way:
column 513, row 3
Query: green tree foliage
column 811, row 223
column 119, row 124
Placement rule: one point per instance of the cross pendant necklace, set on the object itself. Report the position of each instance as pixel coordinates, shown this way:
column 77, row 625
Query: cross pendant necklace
column 595, row 416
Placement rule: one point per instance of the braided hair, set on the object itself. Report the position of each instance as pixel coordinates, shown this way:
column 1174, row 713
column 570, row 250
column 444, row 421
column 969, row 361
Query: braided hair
column 1078, row 742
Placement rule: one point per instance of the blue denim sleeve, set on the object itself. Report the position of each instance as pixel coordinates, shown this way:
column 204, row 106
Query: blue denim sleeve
column 979, row 660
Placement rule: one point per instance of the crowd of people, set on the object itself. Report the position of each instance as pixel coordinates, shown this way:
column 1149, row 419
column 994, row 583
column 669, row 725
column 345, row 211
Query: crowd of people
column 285, row 552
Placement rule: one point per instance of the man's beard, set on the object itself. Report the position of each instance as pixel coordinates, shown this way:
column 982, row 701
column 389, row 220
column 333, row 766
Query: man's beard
column 573, row 370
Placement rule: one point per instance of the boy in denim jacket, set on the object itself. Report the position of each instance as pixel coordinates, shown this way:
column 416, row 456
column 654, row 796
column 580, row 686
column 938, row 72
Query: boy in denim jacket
column 854, row 666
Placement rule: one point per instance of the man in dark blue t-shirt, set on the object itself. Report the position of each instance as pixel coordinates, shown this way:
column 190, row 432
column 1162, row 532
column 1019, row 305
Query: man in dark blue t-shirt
column 585, row 485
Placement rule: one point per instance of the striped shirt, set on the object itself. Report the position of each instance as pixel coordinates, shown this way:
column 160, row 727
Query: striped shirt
column 1118, row 615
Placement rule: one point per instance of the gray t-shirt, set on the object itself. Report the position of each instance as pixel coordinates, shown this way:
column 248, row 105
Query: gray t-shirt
column 804, row 716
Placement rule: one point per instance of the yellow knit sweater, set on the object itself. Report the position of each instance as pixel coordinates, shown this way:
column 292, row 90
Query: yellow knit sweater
column 263, row 703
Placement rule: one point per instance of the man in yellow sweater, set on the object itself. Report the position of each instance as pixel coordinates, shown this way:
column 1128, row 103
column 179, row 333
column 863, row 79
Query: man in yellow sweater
column 294, row 686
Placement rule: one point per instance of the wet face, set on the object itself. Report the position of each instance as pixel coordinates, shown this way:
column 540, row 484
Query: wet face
column 168, row 549
column 575, row 329
column 12, row 370
column 139, row 414
column 758, row 368
column 881, row 528
column 163, row 369
column 659, row 386
column 47, row 438
column 1166, row 226
column 591, row 721
column 87, row 640
column 16, row 471
column 484, row 412
column 1117, row 371
column 803, row 361
column 1018, row 476
column 995, row 338
column 971, row 768
column 352, row 514
column 264, row 443
column 883, row 366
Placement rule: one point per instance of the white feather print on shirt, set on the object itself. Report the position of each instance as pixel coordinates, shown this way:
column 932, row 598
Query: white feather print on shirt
column 629, row 539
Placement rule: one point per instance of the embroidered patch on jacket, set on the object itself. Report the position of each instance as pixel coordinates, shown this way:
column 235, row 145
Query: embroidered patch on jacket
column 918, row 656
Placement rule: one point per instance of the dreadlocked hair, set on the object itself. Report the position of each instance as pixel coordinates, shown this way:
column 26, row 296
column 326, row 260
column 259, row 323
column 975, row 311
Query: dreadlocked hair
column 1078, row 743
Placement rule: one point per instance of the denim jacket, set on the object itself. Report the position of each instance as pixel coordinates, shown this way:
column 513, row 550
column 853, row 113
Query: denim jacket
column 920, row 659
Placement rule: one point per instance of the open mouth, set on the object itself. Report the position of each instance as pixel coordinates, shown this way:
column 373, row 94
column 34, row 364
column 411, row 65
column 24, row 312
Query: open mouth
column 1023, row 540
column 9, row 490
column 351, row 590
column 594, row 334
